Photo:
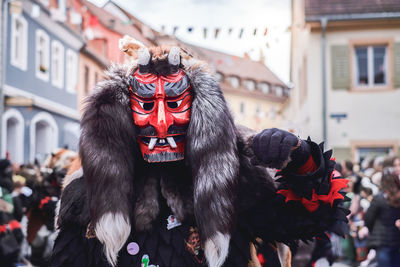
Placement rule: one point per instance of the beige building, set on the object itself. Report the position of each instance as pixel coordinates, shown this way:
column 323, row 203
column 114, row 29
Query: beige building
column 345, row 68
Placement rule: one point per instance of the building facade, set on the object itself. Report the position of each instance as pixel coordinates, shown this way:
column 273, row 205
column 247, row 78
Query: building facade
column 255, row 95
column 40, row 86
column 101, row 28
column 345, row 67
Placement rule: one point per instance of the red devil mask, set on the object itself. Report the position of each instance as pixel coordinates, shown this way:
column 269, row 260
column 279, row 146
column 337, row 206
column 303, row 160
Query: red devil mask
column 161, row 111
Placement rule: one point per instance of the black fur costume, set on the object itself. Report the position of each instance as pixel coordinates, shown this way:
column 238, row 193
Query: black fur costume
column 217, row 189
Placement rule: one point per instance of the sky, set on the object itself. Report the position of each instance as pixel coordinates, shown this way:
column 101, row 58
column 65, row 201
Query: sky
column 274, row 15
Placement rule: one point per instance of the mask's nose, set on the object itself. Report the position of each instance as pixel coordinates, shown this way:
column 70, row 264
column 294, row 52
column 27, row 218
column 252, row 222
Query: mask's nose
column 162, row 126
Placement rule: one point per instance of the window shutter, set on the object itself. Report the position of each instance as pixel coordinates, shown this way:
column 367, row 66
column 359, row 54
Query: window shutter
column 396, row 65
column 340, row 66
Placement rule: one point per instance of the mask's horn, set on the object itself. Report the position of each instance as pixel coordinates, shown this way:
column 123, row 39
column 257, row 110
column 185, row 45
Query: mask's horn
column 174, row 57
column 143, row 56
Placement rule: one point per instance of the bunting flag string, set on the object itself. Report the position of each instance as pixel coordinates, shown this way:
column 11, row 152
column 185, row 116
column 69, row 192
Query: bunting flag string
column 241, row 33
column 216, row 33
column 255, row 32
column 268, row 35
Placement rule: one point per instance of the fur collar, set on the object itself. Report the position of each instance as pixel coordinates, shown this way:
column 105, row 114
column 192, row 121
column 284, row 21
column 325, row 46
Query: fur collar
column 111, row 164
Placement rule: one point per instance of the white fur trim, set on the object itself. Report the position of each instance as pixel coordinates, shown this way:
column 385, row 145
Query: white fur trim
column 112, row 230
column 283, row 255
column 174, row 57
column 57, row 212
column 144, row 56
column 216, row 249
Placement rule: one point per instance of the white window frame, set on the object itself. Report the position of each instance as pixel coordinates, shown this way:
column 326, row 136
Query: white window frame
column 264, row 87
column 234, row 81
column 72, row 71
column 45, row 2
column 53, row 143
column 219, row 76
column 46, row 50
column 370, row 68
column 250, row 85
column 21, row 62
column 62, row 6
column 57, row 79
column 14, row 114
column 279, row 90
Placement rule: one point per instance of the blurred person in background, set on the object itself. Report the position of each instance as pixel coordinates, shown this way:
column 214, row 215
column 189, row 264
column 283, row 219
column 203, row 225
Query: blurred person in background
column 10, row 229
column 367, row 167
column 381, row 218
column 378, row 166
column 396, row 165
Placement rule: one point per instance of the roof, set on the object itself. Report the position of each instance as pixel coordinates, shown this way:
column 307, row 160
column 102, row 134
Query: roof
column 120, row 27
column 342, row 7
column 136, row 22
column 244, row 68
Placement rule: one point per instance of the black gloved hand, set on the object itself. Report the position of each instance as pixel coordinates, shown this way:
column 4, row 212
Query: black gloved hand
column 273, row 146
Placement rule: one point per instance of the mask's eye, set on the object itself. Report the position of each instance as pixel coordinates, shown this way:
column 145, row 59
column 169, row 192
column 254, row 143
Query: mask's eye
column 147, row 105
column 174, row 104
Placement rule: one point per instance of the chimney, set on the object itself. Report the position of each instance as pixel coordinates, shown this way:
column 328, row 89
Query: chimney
column 112, row 23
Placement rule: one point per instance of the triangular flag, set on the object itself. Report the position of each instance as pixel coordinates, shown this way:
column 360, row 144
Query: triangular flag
column 266, row 31
column 241, row 33
column 216, row 33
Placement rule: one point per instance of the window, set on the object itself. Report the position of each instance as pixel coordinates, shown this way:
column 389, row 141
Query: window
column 42, row 55
column 234, row 81
column 371, row 66
column 45, row 2
column 242, row 108
column 250, row 85
column 258, row 111
column 19, row 41
column 86, row 80
column 219, row 76
column 371, row 149
column 72, row 70
column 272, row 113
column 263, row 87
column 62, row 6
column 57, row 64
column 96, row 78
column 279, row 90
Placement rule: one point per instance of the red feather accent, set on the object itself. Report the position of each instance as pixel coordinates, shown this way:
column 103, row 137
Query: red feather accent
column 313, row 204
column 43, row 202
column 261, row 258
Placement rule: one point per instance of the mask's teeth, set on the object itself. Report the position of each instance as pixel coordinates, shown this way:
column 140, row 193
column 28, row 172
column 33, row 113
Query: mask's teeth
column 162, row 141
column 152, row 143
column 171, row 142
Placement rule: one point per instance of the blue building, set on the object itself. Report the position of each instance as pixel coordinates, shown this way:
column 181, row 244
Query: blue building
column 41, row 69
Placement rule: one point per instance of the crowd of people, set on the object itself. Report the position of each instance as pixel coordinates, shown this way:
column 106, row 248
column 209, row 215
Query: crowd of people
column 28, row 199
column 29, row 193
column 373, row 237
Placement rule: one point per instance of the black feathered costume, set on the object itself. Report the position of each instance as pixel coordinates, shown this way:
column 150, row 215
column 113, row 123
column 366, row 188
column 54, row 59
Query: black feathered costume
column 220, row 196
